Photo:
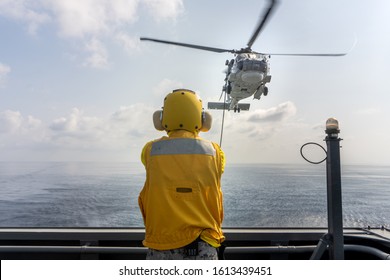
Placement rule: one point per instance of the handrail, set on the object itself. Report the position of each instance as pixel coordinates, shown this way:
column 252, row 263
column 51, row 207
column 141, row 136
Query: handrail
column 369, row 250
column 73, row 249
column 142, row 250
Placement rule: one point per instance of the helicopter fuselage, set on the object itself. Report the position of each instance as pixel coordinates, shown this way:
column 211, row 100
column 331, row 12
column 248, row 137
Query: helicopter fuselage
column 246, row 76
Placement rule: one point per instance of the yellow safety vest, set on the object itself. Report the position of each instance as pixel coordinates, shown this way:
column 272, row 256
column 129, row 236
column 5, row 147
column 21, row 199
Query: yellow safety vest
column 182, row 198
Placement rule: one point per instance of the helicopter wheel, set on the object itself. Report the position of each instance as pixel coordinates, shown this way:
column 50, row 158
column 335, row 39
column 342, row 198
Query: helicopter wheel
column 265, row 93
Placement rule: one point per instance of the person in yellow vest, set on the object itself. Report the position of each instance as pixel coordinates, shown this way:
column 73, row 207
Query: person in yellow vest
column 181, row 201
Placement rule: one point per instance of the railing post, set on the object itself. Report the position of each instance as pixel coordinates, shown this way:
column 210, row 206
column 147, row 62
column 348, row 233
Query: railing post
column 334, row 197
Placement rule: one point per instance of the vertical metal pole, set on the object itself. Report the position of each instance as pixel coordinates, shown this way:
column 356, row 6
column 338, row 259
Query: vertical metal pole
column 335, row 211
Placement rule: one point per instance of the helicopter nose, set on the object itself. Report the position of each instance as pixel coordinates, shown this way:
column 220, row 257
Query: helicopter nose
column 252, row 77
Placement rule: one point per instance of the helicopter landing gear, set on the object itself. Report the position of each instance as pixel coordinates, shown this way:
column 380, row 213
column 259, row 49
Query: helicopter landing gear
column 265, row 92
column 227, row 88
column 261, row 90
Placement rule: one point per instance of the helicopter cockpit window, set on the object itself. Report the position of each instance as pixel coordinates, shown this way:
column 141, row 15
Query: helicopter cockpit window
column 254, row 65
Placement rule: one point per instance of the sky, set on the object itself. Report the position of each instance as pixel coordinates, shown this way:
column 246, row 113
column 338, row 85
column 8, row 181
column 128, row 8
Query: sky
column 77, row 84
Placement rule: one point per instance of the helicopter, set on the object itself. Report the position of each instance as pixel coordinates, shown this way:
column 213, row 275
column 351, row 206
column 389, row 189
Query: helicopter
column 248, row 73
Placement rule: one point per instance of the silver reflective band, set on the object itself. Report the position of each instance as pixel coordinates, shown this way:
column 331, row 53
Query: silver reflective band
column 182, row 146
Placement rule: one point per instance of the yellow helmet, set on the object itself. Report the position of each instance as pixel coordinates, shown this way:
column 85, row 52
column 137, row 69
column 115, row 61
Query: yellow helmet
column 183, row 110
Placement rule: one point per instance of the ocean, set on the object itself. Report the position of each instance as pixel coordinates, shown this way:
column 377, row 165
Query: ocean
column 84, row 194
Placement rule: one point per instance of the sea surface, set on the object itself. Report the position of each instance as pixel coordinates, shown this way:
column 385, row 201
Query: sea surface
column 82, row 194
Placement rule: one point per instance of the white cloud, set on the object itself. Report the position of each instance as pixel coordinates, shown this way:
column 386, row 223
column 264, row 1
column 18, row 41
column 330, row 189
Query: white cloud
column 17, row 131
column 132, row 121
column 129, row 43
column 83, row 136
column 275, row 136
column 90, row 22
column 4, row 71
column 91, row 17
column 33, row 123
column 76, row 121
column 268, row 135
column 126, row 124
column 97, row 54
column 165, row 9
column 123, row 11
column 80, row 136
column 10, row 121
column 275, row 114
column 262, row 123
column 13, row 122
column 30, row 12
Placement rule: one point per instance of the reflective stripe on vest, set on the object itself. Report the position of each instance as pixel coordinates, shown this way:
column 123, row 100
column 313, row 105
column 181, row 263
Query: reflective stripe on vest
column 182, row 146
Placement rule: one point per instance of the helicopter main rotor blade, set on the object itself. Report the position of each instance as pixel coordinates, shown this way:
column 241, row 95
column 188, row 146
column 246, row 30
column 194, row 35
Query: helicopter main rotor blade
column 262, row 23
column 211, row 49
column 308, row 54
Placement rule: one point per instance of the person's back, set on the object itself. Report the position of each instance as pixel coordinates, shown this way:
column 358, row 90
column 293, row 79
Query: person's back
column 181, row 201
